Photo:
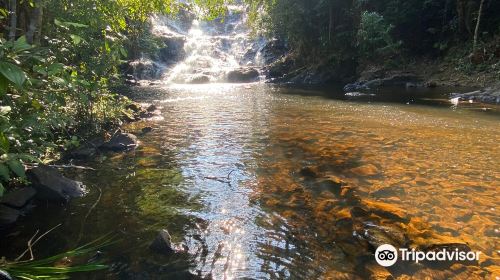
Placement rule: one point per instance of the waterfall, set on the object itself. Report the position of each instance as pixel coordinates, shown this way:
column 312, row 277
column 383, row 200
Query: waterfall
column 199, row 51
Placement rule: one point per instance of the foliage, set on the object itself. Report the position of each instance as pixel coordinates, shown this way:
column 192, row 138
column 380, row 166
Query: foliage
column 371, row 29
column 55, row 81
column 374, row 36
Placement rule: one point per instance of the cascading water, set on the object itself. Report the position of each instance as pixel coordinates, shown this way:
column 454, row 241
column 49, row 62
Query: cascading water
column 209, row 49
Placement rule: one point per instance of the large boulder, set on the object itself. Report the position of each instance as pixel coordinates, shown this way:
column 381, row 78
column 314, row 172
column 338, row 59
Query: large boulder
column 18, row 198
column 243, row 75
column 51, row 185
column 144, row 69
column 272, row 51
column 173, row 50
column 120, row 142
column 8, row 215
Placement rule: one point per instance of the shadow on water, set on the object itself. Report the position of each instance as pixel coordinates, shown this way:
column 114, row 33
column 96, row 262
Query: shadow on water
column 436, row 97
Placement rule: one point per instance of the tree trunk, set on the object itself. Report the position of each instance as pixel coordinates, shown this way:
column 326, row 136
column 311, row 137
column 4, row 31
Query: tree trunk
column 476, row 31
column 330, row 25
column 13, row 19
column 34, row 22
column 38, row 33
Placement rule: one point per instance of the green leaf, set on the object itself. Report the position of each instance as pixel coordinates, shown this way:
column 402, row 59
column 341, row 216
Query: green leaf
column 2, row 189
column 4, row 83
column 55, row 68
column 123, row 51
column 76, row 39
column 4, row 143
column 40, row 69
column 4, row 110
column 13, row 73
column 67, row 24
column 21, row 44
column 17, row 167
column 4, row 172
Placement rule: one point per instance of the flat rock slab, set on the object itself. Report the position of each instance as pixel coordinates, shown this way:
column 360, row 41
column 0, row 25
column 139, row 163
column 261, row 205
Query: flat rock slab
column 53, row 186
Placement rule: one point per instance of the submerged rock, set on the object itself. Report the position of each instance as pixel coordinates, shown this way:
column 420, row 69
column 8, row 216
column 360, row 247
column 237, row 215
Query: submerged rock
column 330, row 185
column 52, row 185
column 120, row 142
column 377, row 235
column 365, row 170
column 243, row 75
column 163, row 243
column 309, row 172
column 18, row 198
column 8, row 215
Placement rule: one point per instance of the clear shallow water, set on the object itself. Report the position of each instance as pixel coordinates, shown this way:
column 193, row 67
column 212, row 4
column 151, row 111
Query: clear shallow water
column 226, row 171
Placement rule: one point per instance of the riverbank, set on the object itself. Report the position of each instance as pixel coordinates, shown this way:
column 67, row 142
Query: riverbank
column 42, row 182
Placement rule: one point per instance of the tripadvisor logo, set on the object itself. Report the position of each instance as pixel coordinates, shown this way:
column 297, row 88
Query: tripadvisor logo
column 387, row 255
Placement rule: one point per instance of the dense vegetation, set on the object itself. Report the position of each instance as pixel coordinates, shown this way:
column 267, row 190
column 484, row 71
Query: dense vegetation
column 352, row 33
column 58, row 62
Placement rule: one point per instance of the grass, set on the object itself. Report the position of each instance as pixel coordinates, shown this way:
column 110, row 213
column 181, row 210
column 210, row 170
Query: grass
column 46, row 268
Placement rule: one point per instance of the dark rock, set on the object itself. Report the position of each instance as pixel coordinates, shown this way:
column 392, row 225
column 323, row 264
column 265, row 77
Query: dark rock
column 355, row 87
column 332, row 186
column 18, row 198
column 308, row 172
column 131, row 82
column 488, row 95
column 84, row 152
column 52, row 185
column 198, row 79
column 145, row 69
column 163, row 243
column 134, row 106
column 8, row 215
column 4, row 275
column 174, row 50
column 358, row 212
column 399, row 79
column 377, row 235
column 431, row 84
column 151, row 108
column 146, row 129
column 120, row 142
column 279, row 69
column 273, row 50
column 243, row 75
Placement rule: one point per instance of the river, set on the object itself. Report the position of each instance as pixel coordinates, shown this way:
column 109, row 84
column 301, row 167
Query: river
column 234, row 172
